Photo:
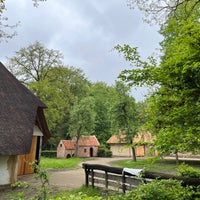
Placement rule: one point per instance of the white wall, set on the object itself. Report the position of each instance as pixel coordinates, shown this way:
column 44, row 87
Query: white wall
column 8, row 169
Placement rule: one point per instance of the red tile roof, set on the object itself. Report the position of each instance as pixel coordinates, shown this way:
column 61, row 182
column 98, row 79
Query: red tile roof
column 69, row 144
column 83, row 141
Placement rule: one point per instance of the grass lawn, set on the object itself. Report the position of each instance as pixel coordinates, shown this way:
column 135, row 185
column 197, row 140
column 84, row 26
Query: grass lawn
column 156, row 165
column 59, row 163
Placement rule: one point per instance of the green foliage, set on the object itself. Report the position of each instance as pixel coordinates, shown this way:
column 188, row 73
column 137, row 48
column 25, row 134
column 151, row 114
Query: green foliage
column 20, row 184
column 34, row 62
column 82, row 120
column 60, row 90
column 173, row 107
column 49, row 153
column 20, row 195
column 188, row 171
column 160, row 190
column 151, row 164
column 104, row 97
column 104, row 151
column 77, row 196
column 42, row 175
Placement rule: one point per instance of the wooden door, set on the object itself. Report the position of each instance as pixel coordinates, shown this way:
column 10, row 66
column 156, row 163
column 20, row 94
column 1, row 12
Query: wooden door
column 24, row 161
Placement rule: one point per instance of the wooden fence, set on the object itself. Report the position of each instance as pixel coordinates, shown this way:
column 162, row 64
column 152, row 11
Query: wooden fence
column 112, row 178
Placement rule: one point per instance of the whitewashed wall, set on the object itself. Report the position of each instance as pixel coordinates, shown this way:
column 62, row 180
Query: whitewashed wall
column 8, row 169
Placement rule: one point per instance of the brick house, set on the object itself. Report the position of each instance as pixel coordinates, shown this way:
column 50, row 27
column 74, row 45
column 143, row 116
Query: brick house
column 87, row 147
column 118, row 144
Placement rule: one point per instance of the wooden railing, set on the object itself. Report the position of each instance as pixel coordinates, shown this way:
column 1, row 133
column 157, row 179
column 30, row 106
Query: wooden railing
column 113, row 178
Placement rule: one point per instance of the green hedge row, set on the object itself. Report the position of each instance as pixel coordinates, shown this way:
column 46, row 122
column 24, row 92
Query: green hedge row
column 104, row 152
column 49, row 153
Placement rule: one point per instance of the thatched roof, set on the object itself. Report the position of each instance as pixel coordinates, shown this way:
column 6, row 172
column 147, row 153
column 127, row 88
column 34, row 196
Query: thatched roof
column 20, row 110
column 140, row 137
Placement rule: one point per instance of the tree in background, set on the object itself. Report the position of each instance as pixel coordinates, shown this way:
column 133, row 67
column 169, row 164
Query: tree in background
column 82, row 119
column 104, row 96
column 57, row 86
column 34, row 62
column 124, row 115
column 60, row 91
column 175, row 103
column 160, row 11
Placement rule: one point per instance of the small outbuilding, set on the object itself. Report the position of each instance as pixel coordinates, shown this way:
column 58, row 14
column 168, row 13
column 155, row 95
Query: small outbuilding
column 119, row 145
column 87, row 147
column 23, row 127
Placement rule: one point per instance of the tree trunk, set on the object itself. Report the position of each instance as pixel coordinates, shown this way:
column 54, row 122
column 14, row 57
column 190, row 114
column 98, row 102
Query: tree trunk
column 76, row 142
column 177, row 160
column 76, row 148
column 134, row 154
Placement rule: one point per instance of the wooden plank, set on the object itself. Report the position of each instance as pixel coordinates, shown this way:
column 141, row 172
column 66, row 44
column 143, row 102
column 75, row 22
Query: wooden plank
column 24, row 161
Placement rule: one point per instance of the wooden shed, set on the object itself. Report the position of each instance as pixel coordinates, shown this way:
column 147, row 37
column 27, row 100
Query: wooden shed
column 22, row 128
column 119, row 144
column 88, row 147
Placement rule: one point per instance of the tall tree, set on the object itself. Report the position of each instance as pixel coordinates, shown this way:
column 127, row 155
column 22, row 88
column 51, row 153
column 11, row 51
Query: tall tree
column 124, row 115
column 82, row 120
column 175, row 102
column 34, row 62
column 60, row 91
column 105, row 96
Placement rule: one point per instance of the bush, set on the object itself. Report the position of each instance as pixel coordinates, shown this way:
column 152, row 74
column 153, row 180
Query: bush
column 49, row 154
column 160, row 190
column 188, row 171
column 104, row 152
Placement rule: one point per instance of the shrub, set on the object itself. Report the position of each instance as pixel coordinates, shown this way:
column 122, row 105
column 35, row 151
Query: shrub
column 188, row 171
column 104, row 152
column 49, row 153
column 160, row 190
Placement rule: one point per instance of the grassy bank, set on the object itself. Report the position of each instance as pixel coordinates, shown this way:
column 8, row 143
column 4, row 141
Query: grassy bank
column 156, row 165
column 56, row 163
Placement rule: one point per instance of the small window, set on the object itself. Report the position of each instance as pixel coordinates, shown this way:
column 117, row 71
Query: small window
column 85, row 150
column 60, row 145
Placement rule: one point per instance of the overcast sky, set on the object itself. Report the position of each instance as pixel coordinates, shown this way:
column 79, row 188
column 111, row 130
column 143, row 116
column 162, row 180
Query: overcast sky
column 85, row 31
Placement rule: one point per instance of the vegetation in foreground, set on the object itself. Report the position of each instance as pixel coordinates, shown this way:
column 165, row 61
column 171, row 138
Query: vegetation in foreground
column 158, row 189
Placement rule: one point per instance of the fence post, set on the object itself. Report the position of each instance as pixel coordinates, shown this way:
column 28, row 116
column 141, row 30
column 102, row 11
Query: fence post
column 92, row 178
column 123, row 183
column 106, row 179
column 86, row 175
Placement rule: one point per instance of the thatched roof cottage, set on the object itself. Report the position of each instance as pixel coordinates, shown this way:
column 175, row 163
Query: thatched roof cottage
column 22, row 127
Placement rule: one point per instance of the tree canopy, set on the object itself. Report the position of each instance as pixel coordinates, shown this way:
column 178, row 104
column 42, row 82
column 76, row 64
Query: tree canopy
column 34, row 62
column 160, row 11
column 174, row 105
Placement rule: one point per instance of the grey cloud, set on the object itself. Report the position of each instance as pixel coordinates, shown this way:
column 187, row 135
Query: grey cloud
column 85, row 32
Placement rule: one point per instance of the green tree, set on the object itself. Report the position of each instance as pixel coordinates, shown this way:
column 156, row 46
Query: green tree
column 175, row 102
column 82, row 119
column 34, row 62
column 60, row 91
column 104, row 96
column 124, row 115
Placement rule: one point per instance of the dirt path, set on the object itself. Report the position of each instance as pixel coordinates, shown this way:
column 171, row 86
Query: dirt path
column 67, row 179
column 72, row 179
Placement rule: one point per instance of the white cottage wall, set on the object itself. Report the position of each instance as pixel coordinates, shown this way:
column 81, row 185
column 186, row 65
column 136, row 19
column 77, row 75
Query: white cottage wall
column 8, row 170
